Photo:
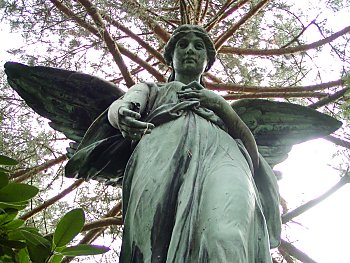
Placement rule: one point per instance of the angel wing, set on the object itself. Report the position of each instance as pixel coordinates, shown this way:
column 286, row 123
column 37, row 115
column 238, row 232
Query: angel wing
column 69, row 99
column 277, row 126
column 73, row 101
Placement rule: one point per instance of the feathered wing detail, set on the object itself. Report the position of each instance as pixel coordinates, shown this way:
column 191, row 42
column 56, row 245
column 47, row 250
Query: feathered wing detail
column 73, row 102
column 69, row 99
column 277, row 126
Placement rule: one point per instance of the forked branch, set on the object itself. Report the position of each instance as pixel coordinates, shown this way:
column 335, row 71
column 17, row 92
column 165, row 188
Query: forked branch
column 284, row 51
column 224, row 13
column 111, row 45
column 229, row 33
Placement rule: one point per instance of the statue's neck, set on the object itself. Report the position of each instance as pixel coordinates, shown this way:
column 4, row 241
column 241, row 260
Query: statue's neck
column 186, row 79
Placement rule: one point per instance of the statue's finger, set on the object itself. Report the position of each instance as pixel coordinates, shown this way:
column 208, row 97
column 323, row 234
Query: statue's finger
column 188, row 94
column 129, row 113
column 195, row 85
column 132, row 123
column 135, row 134
column 132, row 136
column 128, row 129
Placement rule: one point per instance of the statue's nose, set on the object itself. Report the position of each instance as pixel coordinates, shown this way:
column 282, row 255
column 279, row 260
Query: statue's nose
column 190, row 49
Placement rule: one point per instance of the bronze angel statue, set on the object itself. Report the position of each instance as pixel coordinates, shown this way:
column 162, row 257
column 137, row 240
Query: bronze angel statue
column 196, row 171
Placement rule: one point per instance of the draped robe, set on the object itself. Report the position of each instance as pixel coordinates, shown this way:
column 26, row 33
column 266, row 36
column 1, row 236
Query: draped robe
column 189, row 194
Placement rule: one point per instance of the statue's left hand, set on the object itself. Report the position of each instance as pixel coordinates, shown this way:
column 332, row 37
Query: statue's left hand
column 195, row 91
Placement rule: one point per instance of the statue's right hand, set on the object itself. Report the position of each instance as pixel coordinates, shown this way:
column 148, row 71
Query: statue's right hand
column 127, row 121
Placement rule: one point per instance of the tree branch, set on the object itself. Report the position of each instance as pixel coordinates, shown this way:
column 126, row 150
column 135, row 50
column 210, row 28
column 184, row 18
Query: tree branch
column 228, row 33
column 111, row 45
column 221, row 16
column 52, row 200
column 204, row 13
column 337, row 141
column 20, row 176
column 284, row 51
column 141, row 13
column 134, row 36
column 160, row 77
column 65, row 10
column 104, row 222
column 303, row 208
column 330, row 98
column 123, row 50
column 94, row 233
column 237, row 96
column 295, row 252
column 198, row 11
column 244, row 88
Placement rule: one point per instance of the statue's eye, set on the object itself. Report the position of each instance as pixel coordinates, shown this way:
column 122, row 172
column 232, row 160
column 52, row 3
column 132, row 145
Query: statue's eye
column 182, row 44
column 199, row 45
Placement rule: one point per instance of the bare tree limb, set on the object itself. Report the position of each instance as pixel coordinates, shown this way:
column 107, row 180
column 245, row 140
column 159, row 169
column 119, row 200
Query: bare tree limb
column 141, row 13
column 338, row 141
column 94, row 233
column 295, row 252
column 20, row 176
column 229, row 32
column 330, row 98
column 260, row 95
column 244, row 88
column 204, row 13
column 65, row 10
column 198, row 11
column 123, row 50
column 160, row 77
column 52, row 200
column 225, row 13
column 134, row 36
column 284, row 51
column 111, row 45
column 104, row 222
column 305, row 207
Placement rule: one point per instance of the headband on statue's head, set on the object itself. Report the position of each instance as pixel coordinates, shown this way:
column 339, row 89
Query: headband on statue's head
column 183, row 30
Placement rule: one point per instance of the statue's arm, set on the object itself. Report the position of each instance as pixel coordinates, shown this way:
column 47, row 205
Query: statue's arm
column 236, row 127
column 124, row 113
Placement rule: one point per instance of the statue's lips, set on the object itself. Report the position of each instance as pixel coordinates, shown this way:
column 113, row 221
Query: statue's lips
column 189, row 59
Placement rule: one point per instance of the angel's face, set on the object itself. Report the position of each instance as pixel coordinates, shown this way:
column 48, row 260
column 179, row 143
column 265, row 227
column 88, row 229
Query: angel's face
column 190, row 55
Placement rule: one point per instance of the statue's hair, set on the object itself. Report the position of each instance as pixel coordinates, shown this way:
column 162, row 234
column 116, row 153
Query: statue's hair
column 179, row 33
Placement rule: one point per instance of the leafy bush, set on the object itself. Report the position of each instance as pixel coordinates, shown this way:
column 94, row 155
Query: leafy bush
column 22, row 244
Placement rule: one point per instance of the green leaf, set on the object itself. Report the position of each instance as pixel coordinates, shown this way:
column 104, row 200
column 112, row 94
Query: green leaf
column 12, row 243
column 8, row 216
column 3, row 170
column 8, row 254
column 68, row 227
column 14, row 205
column 84, row 250
column 4, row 179
column 5, row 160
column 14, row 192
column 56, row 258
column 31, row 229
column 39, row 248
column 38, row 253
column 23, row 256
column 346, row 79
column 16, row 223
column 35, row 238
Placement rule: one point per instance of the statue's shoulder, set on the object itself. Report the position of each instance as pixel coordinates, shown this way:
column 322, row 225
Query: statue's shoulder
column 156, row 84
